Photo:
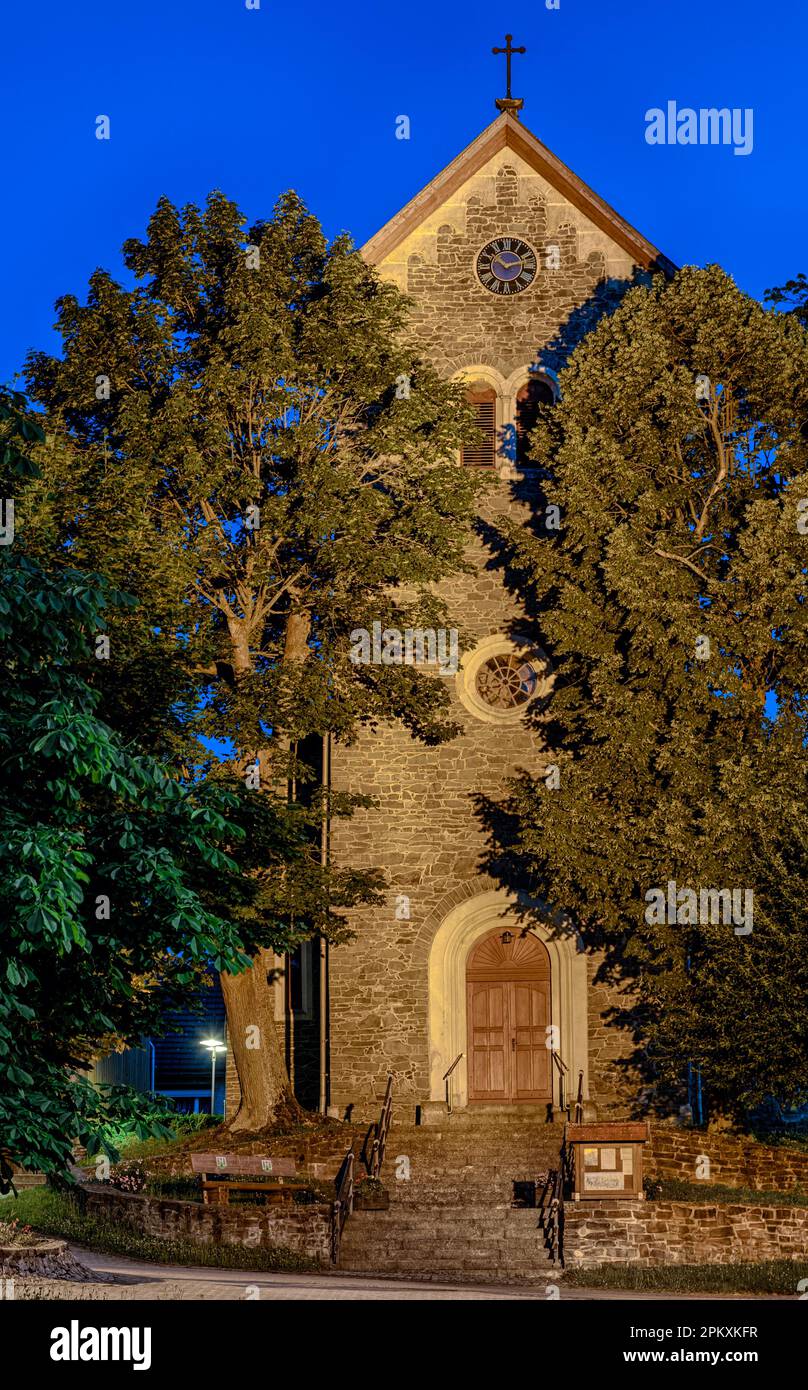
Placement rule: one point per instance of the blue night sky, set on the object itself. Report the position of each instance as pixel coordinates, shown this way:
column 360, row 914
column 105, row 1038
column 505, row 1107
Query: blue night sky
column 206, row 93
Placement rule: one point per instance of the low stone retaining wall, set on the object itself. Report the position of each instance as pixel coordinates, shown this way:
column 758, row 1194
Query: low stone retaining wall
column 653, row 1233
column 676, row 1153
column 304, row 1230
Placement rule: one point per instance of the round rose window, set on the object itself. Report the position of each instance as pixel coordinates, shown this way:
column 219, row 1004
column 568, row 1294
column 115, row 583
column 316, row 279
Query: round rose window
column 500, row 677
column 506, row 681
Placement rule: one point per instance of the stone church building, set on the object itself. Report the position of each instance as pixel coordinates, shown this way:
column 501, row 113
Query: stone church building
column 505, row 254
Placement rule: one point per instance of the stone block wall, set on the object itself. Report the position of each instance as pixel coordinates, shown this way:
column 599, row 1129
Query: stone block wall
column 457, row 320
column 303, row 1230
column 656, row 1233
column 733, row 1161
column 613, row 1084
column 427, row 835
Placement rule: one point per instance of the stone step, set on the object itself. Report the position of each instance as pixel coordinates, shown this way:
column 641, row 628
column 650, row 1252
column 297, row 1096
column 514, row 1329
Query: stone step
column 472, row 1143
column 475, row 1182
column 483, row 1172
column 504, row 1130
column 444, row 1250
column 471, row 1151
column 418, row 1139
column 403, row 1219
column 491, row 1255
column 465, row 1274
column 498, row 1252
column 480, row 1117
column 499, row 1157
column 471, row 1273
column 487, row 1260
column 454, row 1217
column 424, row 1196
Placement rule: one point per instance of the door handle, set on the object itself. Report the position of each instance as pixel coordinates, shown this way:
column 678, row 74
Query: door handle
column 513, row 1044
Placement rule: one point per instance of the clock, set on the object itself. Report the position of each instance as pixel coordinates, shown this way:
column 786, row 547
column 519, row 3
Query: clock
column 506, row 265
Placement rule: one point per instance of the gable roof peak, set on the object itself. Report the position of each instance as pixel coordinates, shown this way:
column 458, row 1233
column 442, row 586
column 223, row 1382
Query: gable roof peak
column 506, row 132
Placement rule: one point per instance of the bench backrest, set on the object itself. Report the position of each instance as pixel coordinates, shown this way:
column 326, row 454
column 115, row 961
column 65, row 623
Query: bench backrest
column 243, row 1165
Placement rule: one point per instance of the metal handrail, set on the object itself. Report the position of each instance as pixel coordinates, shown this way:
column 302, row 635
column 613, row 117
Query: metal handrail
column 562, row 1073
column 579, row 1101
column 343, row 1204
column 446, row 1076
column 557, row 1216
column 551, row 1203
column 380, row 1137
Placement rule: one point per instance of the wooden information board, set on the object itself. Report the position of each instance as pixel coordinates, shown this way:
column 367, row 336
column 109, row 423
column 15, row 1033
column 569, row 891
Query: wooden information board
column 607, row 1159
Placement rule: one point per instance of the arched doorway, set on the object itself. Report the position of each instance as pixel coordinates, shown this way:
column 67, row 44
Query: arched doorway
column 466, row 915
column 508, row 1011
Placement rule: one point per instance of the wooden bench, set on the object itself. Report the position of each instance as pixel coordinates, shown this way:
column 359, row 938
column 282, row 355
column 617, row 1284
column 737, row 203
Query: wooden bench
column 226, row 1167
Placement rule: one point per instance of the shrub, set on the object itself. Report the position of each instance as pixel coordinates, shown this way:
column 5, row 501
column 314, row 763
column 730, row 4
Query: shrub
column 129, row 1176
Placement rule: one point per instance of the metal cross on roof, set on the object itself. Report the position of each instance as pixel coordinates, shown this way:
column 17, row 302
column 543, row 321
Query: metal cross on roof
column 509, row 103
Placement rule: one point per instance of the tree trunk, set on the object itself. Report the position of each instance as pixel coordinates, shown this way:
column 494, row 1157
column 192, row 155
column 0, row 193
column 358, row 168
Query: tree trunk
column 249, row 998
column 256, row 1046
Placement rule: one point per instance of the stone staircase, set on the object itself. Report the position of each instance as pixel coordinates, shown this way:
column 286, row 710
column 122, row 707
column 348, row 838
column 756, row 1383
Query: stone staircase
column 454, row 1218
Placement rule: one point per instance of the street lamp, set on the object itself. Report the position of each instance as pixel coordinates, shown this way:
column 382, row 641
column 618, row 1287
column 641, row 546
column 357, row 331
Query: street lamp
column 215, row 1046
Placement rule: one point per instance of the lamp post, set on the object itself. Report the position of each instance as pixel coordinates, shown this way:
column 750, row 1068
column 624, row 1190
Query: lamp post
column 215, row 1046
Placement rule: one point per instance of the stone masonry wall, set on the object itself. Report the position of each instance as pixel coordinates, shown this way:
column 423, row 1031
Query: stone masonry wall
column 733, row 1162
column 427, row 837
column 656, row 1233
column 612, row 1083
column 458, row 321
column 304, row 1230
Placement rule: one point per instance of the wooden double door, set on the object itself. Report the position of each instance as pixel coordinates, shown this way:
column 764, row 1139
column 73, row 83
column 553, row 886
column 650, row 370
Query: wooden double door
column 508, row 1003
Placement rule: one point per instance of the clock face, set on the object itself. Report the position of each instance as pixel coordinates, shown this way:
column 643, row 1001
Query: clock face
column 506, row 265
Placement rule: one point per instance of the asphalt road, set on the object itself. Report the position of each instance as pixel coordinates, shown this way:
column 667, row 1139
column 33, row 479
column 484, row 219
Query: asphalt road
column 135, row 1279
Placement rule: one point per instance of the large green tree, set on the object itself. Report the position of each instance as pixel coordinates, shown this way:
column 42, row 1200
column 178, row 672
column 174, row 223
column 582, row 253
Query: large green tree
column 106, row 861
column 122, row 885
column 246, row 440
column 673, row 602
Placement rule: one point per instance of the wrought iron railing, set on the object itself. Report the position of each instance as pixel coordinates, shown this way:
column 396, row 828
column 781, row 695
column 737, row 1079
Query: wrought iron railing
column 579, row 1100
column 446, row 1078
column 343, row 1203
column 563, row 1070
column 555, row 1217
column 380, row 1135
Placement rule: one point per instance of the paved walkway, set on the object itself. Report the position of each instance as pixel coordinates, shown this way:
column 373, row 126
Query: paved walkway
column 135, row 1279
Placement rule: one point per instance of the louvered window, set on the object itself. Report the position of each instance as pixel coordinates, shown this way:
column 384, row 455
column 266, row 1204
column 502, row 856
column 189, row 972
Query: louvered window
column 529, row 397
column 483, row 400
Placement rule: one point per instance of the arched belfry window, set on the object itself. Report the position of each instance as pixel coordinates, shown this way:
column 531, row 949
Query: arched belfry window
column 483, row 401
column 535, row 393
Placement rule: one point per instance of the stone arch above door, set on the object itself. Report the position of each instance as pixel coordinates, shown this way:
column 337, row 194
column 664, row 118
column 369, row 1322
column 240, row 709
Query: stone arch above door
column 463, row 926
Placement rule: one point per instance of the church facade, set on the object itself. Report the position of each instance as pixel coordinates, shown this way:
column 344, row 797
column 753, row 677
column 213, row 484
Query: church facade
column 503, row 255
column 499, row 254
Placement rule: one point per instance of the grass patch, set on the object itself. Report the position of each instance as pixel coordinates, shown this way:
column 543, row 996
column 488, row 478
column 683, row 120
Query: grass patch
column 184, row 1127
column 57, row 1214
column 677, row 1190
column 768, row 1276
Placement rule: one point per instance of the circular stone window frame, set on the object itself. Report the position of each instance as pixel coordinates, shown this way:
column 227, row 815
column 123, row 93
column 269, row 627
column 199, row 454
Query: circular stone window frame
column 500, row 645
